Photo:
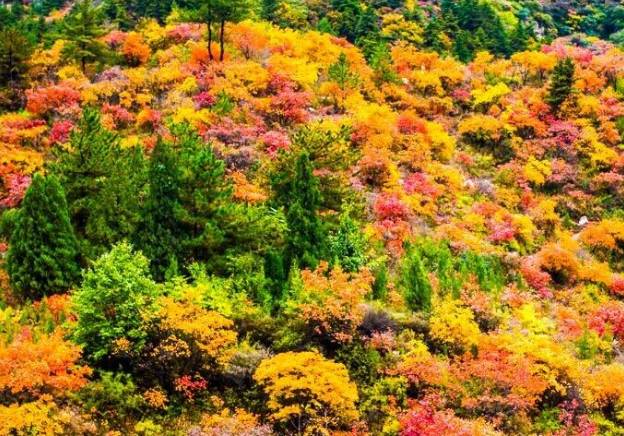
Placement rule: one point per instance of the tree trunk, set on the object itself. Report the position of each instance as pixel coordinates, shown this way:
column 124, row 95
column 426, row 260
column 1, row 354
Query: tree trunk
column 210, row 41
column 222, row 41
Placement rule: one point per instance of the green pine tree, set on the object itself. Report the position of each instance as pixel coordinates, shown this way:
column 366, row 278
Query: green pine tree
column 15, row 50
column 43, row 253
column 415, row 282
column 160, row 230
column 103, row 182
column 561, row 82
column 347, row 246
column 82, row 30
column 306, row 238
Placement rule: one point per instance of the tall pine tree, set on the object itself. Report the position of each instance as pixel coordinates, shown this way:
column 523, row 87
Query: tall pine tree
column 103, row 182
column 43, row 253
column 82, row 29
column 561, row 83
column 159, row 232
column 306, row 238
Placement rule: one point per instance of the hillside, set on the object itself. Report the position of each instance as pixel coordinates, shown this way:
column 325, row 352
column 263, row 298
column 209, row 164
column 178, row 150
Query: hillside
column 311, row 218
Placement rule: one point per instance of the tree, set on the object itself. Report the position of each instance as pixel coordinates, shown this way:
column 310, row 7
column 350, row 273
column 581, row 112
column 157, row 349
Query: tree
column 43, row 253
column 269, row 7
column 102, row 181
column 82, row 29
column 221, row 11
column 347, row 246
column 561, row 83
column 15, row 51
column 306, row 238
column 116, row 294
column 415, row 282
column 308, row 394
column 159, row 232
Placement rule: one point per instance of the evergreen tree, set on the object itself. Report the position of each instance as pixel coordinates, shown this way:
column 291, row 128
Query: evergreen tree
column 519, row 39
column 103, row 182
column 561, row 83
column 43, row 253
column 268, row 9
column 82, row 29
column 347, row 246
column 205, row 197
column 159, row 230
column 305, row 240
column 15, row 51
column 415, row 282
column 340, row 72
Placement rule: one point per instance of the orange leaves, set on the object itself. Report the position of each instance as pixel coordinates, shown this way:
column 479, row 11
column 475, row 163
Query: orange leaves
column 56, row 98
column 44, row 365
column 135, row 50
column 334, row 302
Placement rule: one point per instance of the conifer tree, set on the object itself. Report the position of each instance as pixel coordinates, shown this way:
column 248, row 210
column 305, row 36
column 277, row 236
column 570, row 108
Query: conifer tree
column 306, row 237
column 561, row 83
column 159, row 230
column 102, row 182
column 415, row 282
column 82, row 29
column 43, row 254
column 15, row 51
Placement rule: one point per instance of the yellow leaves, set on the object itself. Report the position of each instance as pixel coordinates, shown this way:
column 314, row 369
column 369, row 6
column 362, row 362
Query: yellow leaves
column 604, row 386
column 188, row 114
column 535, row 62
column 29, row 418
column 306, row 386
column 590, row 145
column 299, row 70
column 396, row 27
column 156, row 398
column 242, row 80
column 153, row 33
column 212, row 332
column 483, row 128
column 490, row 95
column 453, row 324
column 536, row 171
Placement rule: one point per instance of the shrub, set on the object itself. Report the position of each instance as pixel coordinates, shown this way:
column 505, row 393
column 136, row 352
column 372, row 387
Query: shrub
column 116, row 293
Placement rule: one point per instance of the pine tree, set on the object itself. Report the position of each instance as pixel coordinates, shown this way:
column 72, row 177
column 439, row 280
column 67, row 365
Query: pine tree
column 561, row 83
column 415, row 282
column 43, row 253
column 347, row 246
column 269, row 7
column 305, row 240
column 519, row 39
column 205, row 198
column 102, row 181
column 82, row 29
column 15, row 51
column 159, row 230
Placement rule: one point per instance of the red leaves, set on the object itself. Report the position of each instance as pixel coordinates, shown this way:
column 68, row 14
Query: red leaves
column 59, row 98
column 16, row 185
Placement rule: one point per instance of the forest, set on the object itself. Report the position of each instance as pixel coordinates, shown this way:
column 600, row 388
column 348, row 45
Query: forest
column 311, row 217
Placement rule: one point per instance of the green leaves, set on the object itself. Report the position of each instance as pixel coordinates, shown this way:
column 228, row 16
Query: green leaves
column 43, row 255
column 116, row 295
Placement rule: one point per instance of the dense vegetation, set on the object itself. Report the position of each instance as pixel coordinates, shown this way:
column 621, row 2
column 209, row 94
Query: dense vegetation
column 311, row 217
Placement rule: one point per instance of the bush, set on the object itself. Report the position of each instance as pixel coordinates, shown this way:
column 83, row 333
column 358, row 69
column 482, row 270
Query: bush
column 115, row 296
